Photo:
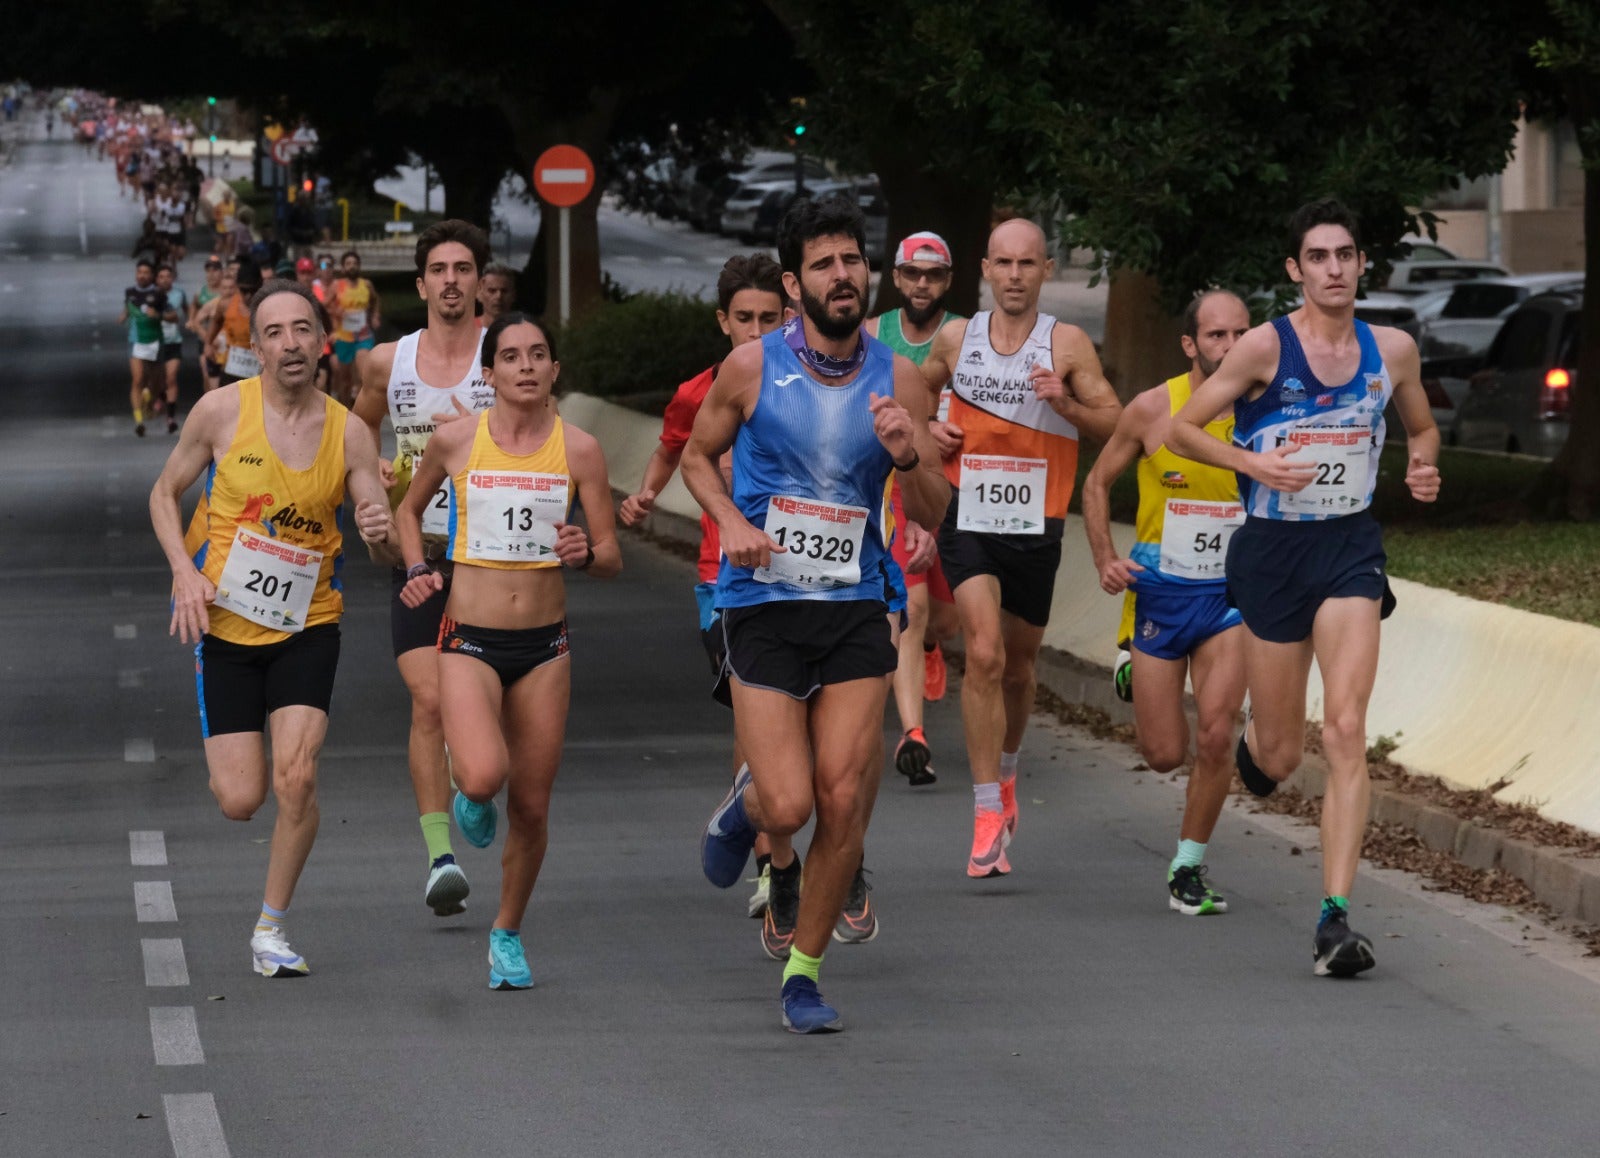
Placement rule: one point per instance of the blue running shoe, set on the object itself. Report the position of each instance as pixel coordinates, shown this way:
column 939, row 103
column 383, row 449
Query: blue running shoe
column 508, row 965
column 729, row 836
column 804, row 1011
column 476, row 821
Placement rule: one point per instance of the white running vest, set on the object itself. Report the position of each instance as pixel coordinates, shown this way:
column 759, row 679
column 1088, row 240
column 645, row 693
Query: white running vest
column 412, row 405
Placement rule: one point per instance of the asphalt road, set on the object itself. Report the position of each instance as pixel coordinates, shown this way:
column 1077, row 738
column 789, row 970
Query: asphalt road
column 1062, row 1010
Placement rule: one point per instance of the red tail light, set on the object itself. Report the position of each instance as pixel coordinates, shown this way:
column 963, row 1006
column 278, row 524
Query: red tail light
column 1555, row 400
column 1437, row 398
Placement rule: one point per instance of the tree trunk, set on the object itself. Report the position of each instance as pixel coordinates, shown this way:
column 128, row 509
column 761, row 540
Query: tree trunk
column 534, row 131
column 1578, row 465
column 956, row 211
column 469, row 184
column 1141, row 347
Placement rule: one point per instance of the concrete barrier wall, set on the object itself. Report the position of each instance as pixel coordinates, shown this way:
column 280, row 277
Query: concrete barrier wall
column 1477, row 694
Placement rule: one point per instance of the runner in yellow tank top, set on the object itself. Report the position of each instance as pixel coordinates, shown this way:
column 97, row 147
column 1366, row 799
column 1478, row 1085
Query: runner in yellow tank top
column 1176, row 611
column 255, row 588
column 504, row 679
column 354, row 307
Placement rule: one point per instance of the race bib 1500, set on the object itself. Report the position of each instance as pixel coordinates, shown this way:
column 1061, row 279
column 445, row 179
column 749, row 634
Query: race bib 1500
column 1002, row 495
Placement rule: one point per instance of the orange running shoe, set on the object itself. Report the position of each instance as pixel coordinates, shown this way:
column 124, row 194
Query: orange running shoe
column 1008, row 805
column 989, row 840
column 935, row 676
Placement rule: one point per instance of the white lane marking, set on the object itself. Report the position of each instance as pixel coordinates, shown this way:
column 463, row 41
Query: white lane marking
column 164, row 965
column 83, row 236
column 152, row 901
column 175, row 1037
column 138, row 751
column 125, row 631
column 674, row 259
column 147, row 846
column 194, row 1127
column 130, row 677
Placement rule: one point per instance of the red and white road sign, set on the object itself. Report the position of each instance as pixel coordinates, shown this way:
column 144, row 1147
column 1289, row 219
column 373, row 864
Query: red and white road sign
column 286, row 148
column 563, row 175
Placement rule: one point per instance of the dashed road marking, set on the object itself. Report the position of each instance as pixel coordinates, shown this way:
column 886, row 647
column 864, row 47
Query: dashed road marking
column 130, row 677
column 125, row 631
column 147, row 846
column 194, row 1127
column 164, row 964
column 152, row 901
column 175, row 1037
column 139, row 750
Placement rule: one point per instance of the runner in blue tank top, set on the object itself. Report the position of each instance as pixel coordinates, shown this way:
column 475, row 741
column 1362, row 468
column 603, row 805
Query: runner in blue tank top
column 1307, row 569
column 818, row 415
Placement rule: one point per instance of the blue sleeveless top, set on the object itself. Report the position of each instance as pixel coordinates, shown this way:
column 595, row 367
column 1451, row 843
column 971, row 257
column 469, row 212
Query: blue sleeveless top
column 1342, row 425
column 808, row 441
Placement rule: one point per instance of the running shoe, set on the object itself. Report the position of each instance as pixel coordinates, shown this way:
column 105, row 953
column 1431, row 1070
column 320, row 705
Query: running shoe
column 1338, row 950
column 783, row 910
column 138, row 428
column 447, row 887
column 729, row 836
column 273, row 955
column 804, row 1011
column 476, row 821
column 172, row 425
column 1008, row 804
column 1253, row 778
column 858, row 923
column 758, row 899
column 935, row 675
column 1122, row 676
column 1190, row 895
column 989, row 842
column 508, row 964
column 913, row 759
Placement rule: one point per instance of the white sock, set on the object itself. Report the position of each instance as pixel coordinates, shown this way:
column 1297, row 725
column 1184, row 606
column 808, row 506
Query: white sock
column 1008, row 764
column 986, row 797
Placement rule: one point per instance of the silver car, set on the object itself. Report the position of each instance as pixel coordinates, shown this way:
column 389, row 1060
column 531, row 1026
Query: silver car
column 1521, row 400
column 1476, row 310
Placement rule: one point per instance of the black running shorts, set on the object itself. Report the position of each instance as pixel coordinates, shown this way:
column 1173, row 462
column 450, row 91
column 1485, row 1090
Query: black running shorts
column 1279, row 573
column 240, row 685
column 798, row 646
column 1025, row 565
column 512, row 653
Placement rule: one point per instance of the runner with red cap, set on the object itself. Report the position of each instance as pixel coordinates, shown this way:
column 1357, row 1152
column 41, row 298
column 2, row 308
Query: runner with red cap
column 922, row 272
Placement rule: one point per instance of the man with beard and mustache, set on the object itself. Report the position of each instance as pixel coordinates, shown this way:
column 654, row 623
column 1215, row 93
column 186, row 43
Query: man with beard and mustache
column 922, row 271
column 1022, row 386
column 255, row 582
column 1176, row 615
column 818, row 415
column 430, row 377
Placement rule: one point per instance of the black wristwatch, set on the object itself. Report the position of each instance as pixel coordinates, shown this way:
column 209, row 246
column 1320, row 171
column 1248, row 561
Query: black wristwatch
column 584, row 566
column 418, row 571
column 910, row 466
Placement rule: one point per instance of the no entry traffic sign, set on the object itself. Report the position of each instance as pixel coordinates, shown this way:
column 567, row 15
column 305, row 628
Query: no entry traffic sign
column 563, row 175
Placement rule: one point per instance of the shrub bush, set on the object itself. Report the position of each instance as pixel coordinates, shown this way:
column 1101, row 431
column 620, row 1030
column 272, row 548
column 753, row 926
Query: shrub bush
column 644, row 346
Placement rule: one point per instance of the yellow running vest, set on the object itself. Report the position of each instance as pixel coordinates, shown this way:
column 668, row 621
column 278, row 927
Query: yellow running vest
column 277, row 516
column 506, row 505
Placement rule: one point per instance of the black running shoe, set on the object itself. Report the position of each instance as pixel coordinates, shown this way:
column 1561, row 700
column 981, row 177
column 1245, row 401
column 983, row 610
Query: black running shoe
column 783, row 910
column 1190, row 895
column 858, row 923
column 913, row 759
column 1251, row 776
column 1339, row 951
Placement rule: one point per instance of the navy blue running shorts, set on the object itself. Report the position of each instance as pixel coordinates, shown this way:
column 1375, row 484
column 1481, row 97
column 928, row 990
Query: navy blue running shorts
column 1171, row 625
column 1279, row 573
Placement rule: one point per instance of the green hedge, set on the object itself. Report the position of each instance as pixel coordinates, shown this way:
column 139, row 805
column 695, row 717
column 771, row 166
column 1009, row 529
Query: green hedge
column 640, row 349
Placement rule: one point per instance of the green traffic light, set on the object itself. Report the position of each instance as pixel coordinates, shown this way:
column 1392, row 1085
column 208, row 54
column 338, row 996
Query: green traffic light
column 213, row 138
column 799, row 130
column 211, row 100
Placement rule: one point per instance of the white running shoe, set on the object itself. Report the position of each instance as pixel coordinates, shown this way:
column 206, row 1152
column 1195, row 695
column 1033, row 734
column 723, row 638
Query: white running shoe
column 763, row 893
column 447, row 887
column 274, row 957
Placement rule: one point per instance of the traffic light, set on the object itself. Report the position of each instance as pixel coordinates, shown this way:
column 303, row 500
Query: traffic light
column 800, row 130
column 211, row 100
column 213, row 138
column 797, row 119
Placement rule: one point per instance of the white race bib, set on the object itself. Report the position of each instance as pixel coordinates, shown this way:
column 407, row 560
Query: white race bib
column 354, row 321
column 170, row 333
column 822, row 544
column 1002, row 495
column 512, row 515
column 436, row 515
column 242, row 362
column 268, row 581
column 146, row 351
column 1340, row 455
column 1194, row 537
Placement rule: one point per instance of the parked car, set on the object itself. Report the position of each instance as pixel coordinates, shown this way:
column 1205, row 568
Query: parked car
column 1476, row 310
column 715, row 181
column 1520, row 401
column 1414, row 276
column 1408, row 312
column 1423, row 249
column 867, row 194
column 739, row 212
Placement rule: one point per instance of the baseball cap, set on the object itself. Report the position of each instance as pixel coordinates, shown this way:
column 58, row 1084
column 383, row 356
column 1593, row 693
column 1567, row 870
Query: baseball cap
column 284, row 268
column 925, row 247
column 303, row 265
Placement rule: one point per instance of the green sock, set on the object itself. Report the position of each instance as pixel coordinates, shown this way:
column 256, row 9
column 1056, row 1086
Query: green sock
column 802, row 966
column 436, row 831
column 1190, row 853
column 1331, row 903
